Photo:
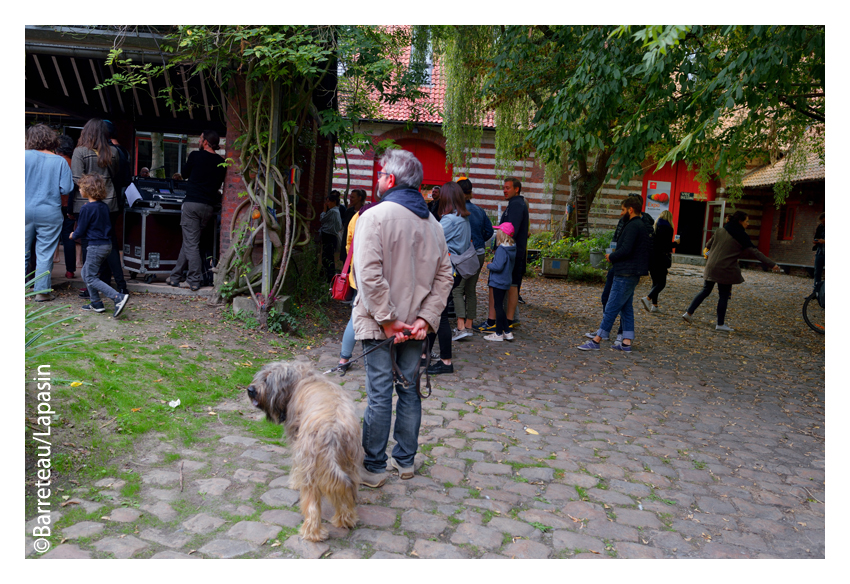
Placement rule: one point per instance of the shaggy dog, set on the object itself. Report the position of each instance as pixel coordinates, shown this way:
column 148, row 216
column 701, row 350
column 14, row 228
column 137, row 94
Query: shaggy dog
column 324, row 432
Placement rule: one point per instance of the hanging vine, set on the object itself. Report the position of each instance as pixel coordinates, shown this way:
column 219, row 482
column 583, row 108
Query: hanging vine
column 462, row 49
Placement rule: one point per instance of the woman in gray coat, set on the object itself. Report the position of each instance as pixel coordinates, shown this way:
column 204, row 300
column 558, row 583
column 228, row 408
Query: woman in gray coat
column 729, row 244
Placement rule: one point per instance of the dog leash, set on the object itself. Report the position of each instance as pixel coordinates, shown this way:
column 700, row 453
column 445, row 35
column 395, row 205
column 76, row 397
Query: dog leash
column 399, row 376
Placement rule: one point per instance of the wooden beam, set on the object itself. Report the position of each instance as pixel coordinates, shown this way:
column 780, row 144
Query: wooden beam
column 40, row 72
column 153, row 96
column 186, row 91
column 99, row 91
column 117, row 92
column 59, row 73
column 204, row 93
column 79, row 81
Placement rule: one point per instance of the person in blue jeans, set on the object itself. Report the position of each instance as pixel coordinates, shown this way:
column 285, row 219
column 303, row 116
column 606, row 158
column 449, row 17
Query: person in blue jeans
column 47, row 178
column 630, row 261
column 93, row 224
column 404, row 277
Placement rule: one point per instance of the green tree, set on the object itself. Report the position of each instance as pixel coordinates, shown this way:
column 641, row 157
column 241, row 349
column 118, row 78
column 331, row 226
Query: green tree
column 595, row 102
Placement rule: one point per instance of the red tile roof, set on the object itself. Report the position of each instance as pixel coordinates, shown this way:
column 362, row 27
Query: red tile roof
column 436, row 93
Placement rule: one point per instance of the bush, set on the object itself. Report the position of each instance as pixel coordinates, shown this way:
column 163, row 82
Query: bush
column 566, row 247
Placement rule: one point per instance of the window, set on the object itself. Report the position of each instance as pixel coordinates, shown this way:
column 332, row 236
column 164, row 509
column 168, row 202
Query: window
column 422, row 63
column 787, row 216
column 175, row 152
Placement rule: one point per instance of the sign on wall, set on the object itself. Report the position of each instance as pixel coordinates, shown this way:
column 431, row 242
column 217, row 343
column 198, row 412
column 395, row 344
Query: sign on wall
column 657, row 197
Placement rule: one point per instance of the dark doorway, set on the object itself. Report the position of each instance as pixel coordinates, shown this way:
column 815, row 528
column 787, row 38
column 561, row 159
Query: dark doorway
column 691, row 221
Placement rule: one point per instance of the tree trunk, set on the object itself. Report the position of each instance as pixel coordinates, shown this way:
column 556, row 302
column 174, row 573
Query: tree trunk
column 585, row 182
column 157, row 156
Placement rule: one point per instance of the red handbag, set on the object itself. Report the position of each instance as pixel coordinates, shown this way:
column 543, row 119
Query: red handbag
column 340, row 288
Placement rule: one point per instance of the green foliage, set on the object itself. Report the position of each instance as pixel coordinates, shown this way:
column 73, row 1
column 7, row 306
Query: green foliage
column 600, row 100
column 567, row 247
column 39, row 335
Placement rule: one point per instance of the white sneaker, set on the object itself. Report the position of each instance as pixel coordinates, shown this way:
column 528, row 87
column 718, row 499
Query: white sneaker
column 495, row 337
column 688, row 318
column 655, row 309
column 723, row 327
column 458, row 334
column 509, row 336
column 646, row 304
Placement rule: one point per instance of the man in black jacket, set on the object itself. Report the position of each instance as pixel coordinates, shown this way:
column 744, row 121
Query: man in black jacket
column 609, row 277
column 515, row 213
column 205, row 173
column 630, row 261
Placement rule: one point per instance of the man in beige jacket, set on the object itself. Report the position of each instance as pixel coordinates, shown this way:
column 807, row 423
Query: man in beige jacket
column 403, row 274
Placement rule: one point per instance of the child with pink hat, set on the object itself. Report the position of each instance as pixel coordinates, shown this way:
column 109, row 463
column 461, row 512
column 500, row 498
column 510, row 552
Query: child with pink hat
column 501, row 269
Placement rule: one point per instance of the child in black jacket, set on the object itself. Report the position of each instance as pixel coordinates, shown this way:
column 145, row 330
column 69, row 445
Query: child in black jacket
column 93, row 223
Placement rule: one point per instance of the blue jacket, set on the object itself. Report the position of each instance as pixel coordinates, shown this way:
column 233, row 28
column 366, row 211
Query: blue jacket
column 93, row 224
column 456, row 229
column 502, row 267
column 631, row 258
column 479, row 223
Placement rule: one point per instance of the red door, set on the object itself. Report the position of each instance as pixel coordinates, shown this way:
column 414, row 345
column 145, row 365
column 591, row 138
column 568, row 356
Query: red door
column 432, row 157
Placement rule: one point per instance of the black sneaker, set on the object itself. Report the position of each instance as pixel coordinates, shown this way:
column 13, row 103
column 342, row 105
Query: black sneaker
column 440, row 367
column 119, row 306
column 520, row 300
column 93, row 307
column 84, row 293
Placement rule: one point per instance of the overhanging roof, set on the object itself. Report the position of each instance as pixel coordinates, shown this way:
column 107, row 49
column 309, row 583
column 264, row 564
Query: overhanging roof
column 65, row 64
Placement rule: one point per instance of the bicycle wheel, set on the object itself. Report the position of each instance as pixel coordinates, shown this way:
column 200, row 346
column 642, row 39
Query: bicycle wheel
column 814, row 314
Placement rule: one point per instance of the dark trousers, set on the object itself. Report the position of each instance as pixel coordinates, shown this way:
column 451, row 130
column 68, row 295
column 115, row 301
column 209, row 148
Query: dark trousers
column 444, row 332
column 329, row 241
column 69, row 248
column 606, row 292
column 501, row 315
column 659, row 282
column 193, row 218
column 820, row 262
column 725, row 291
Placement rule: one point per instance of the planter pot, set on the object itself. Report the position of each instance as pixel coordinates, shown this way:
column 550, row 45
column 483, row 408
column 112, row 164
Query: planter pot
column 556, row 267
column 596, row 258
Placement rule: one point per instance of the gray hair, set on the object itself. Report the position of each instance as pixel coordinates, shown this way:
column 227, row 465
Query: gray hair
column 404, row 166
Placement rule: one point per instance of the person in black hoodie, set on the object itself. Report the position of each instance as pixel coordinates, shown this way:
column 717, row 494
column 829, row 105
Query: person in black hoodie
column 205, row 174
column 630, row 261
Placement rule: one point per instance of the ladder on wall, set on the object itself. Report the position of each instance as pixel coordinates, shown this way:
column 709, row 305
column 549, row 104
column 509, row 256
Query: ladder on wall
column 581, row 216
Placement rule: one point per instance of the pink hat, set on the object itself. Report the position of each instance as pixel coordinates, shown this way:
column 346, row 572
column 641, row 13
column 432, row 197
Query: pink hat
column 507, row 228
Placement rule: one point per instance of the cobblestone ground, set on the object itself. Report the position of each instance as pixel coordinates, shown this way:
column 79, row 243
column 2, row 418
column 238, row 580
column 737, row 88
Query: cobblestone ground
column 698, row 444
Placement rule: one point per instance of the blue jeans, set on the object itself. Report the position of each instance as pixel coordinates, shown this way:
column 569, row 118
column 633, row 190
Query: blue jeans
column 620, row 302
column 43, row 229
column 348, row 341
column 96, row 255
column 606, row 292
column 379, row 405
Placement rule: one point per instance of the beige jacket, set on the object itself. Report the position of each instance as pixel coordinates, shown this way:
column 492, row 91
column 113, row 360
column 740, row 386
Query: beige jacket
column 402, row 268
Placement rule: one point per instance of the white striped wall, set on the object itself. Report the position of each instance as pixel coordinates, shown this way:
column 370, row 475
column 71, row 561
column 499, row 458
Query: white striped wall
column 544, row 207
